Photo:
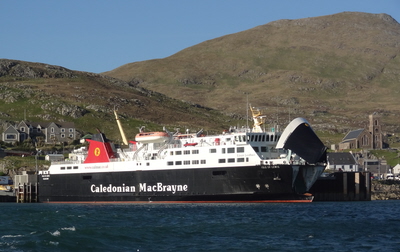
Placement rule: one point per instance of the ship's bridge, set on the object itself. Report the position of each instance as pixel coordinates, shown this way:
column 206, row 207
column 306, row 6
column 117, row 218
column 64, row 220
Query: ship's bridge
column 263, row 143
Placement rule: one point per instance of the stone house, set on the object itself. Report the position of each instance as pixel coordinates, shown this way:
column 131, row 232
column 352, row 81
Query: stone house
column 377, row 167
column 12, row 135
column 370, row 137
column 49, row 132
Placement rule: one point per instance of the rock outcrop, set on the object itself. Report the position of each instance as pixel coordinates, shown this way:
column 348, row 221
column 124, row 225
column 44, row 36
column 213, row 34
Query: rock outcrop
column 385, row 190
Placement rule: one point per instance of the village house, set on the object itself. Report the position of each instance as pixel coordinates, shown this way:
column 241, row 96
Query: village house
column 370, row 137
column 48, row 132
column 342, row 161
column 396, row 169
column 377, row 167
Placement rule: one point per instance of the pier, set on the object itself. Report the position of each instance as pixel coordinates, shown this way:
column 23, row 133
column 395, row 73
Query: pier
column 26, row 188
column 26, row 193
column 343, row 186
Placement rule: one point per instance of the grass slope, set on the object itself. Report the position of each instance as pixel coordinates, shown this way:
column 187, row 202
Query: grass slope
column 334, row 70
column 40, row 92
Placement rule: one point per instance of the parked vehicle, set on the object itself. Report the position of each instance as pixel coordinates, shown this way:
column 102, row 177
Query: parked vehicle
column 392, row 177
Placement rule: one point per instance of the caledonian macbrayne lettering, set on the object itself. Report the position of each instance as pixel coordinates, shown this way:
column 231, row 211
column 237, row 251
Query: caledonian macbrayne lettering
column 143, row 187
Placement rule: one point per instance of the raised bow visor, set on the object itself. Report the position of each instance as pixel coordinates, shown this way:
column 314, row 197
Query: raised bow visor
column 300, row 138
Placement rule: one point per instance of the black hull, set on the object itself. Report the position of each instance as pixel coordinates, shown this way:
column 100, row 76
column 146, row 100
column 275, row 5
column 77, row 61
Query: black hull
column 234, row 184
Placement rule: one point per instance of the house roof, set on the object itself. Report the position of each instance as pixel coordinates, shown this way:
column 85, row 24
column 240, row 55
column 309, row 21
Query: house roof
column 341, row 158
column 87, row 136
column 66, row 124
column 47, row 124
column 11, row 129
column 37, row 124
column 353, row 134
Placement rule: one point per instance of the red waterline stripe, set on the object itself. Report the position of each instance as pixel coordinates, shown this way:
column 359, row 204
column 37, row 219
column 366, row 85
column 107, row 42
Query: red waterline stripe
column 175, row 202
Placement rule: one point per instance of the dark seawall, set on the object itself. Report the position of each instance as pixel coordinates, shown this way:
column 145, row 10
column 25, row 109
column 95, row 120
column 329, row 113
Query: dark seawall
column 343, row 186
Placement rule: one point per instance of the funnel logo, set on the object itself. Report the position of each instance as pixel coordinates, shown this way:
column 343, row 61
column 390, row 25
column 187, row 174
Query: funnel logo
column 97, row 152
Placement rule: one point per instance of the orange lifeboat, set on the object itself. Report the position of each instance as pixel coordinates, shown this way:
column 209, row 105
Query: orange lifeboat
column 190, row 144
column 152, row 137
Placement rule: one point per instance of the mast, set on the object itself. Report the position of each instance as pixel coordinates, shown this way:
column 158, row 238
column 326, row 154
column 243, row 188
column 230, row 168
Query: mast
column 258, row 119
column 121, row 130
column 247, row 112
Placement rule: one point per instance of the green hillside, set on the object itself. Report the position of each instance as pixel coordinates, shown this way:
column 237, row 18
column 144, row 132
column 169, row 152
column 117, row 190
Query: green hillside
column 42, row 93
column 333, row 70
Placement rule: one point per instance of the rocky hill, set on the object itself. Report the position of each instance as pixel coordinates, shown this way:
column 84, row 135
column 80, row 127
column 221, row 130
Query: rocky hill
column 334, row 70
column 40, row 92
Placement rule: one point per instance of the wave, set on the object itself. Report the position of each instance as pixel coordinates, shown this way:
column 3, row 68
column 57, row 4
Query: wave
column 11, row 236
column 55, row 233
column 69, row 228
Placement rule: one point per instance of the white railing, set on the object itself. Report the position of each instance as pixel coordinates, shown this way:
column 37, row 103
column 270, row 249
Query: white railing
column 67, row 162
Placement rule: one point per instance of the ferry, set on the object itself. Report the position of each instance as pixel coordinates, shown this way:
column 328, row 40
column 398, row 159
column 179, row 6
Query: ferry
column 247, row 164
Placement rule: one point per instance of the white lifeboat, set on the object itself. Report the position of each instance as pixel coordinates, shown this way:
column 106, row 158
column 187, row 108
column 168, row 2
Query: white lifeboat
column 152, row 137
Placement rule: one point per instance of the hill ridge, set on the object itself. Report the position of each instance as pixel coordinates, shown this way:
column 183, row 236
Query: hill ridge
column 338, row 68
column 44, row 92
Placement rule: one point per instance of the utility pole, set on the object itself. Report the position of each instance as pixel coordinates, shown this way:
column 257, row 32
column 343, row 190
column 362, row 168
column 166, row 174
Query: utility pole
column 36, row 158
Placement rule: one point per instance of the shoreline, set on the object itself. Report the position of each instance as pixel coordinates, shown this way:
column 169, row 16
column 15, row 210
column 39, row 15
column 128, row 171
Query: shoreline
column 385, row 190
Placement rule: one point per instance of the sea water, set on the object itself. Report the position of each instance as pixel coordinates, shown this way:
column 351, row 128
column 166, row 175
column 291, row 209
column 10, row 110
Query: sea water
column 317, row 226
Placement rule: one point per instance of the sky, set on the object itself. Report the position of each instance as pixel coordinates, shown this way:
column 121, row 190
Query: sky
column 101, row 35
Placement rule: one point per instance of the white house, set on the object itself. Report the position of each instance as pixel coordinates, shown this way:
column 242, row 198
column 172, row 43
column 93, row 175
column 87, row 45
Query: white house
column 54, row 157
column 342, row 161
column 396, row 169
